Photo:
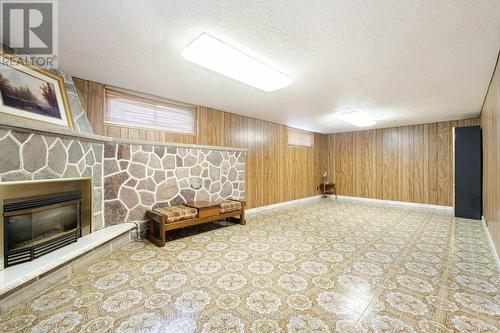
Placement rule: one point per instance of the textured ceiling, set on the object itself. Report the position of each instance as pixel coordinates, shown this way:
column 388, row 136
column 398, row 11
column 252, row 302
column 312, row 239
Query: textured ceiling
column 403, row 61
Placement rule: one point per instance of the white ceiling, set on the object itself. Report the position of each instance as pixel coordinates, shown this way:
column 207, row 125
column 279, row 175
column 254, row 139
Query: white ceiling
column 403, row 61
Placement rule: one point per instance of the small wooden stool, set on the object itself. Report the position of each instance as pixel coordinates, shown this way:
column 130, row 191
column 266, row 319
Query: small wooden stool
column 328, row 189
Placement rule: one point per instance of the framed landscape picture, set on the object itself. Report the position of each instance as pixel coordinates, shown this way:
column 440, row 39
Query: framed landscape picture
column 33, row 93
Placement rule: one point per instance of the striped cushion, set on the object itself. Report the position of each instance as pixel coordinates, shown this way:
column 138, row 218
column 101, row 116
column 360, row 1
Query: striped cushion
column 229, row 206
column 177, row 213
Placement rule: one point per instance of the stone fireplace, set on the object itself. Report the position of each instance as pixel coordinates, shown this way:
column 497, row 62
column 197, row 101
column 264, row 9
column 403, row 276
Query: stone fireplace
column 39, row 217
column 123, row 178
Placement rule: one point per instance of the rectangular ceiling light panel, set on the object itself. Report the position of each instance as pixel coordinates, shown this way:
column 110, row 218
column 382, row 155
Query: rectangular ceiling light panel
column 358, row 118
column 219, row 57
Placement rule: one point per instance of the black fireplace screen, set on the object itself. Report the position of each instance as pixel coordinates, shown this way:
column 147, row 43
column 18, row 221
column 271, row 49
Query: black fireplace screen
column 34, row 227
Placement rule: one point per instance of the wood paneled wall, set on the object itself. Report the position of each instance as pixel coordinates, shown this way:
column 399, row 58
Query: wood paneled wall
column 275, row 172
column 490, row 123
column 409, row 163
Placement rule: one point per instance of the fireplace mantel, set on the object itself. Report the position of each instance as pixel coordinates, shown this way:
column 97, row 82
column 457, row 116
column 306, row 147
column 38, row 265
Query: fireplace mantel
column 41, row 128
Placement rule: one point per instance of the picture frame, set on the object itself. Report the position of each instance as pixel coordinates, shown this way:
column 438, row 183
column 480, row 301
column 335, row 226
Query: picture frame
column 30, row 92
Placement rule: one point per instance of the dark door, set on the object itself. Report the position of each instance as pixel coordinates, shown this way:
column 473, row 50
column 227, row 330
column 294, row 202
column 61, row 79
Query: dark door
column 468, row 172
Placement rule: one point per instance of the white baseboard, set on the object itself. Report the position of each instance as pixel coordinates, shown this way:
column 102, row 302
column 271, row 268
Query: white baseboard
column 353, row 199
column 281, row 204
column 492, row 245
column 395, row 203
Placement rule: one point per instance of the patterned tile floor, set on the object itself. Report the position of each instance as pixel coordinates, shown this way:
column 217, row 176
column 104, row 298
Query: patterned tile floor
column 320, row 267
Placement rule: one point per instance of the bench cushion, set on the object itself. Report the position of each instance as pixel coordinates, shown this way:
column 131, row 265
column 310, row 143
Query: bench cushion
column 229, row 206
column 177, row 213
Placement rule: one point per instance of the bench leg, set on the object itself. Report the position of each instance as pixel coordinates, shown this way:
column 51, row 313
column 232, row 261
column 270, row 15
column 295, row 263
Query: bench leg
column 242, row 218
column 162, row 233
column 158, row 240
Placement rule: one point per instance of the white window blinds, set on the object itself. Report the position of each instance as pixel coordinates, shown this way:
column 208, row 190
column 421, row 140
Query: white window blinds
column 300, row 138
column 128, row 109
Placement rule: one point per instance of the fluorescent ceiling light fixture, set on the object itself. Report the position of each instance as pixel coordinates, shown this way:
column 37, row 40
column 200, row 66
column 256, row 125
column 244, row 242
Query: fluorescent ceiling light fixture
column 211, row 53
column 357, row 118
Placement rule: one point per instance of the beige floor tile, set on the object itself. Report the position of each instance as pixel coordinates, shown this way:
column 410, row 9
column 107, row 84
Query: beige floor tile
column 322, row 267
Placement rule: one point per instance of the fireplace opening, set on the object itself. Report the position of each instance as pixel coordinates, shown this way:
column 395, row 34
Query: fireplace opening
column 36, row 226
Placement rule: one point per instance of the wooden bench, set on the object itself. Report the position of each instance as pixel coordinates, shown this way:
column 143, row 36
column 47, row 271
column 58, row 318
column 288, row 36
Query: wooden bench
column 165, row 219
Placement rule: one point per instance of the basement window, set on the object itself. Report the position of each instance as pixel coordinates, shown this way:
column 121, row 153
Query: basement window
column 124, row 108
column 300, row 138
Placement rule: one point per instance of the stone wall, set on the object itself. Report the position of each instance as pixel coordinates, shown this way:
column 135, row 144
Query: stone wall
column 139, row 177
column 30, row 156
column 127, row 179
column 80, row 120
